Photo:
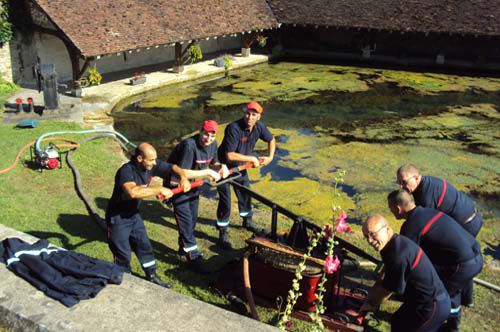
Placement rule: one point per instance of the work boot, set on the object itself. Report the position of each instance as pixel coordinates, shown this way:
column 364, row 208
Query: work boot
column 251, row 226
column 224, row 241
column 198, row 265
column 156, row 280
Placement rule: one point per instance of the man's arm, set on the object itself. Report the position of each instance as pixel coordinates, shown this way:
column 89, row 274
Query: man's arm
column 271, row 148
column 134, row 191
column 238, row 157
column 182, row 175
column 376, row 295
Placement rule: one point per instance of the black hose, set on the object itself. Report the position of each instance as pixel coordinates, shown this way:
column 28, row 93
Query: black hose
column 78, row 182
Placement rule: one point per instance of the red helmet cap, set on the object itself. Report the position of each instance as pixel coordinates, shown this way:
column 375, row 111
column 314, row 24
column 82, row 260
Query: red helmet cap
column 255, row 106
column 210, row 125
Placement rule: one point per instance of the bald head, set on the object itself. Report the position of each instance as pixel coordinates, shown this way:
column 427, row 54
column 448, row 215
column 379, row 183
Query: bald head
column 145, row 156
column 377, row 231
column 408, row 177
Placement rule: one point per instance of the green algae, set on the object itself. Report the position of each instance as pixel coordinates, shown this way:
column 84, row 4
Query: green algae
column 365, row 121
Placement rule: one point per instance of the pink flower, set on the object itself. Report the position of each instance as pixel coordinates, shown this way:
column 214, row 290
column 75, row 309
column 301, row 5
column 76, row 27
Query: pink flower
column 342, row 224
column 331, row 264
column 289, row 325
column 328, row 231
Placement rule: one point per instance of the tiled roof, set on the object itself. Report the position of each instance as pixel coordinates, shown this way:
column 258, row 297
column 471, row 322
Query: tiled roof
column 476, row 17
column 106, row 26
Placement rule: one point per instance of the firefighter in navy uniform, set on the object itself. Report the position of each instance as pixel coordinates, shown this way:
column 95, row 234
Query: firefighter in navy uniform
column 439, row 194
column 237, row 148
column 198, row 156
column 126, row 228
column 408, row 272
column 454, row 252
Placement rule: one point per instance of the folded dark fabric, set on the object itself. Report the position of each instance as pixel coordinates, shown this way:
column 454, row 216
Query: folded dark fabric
column 62, row 275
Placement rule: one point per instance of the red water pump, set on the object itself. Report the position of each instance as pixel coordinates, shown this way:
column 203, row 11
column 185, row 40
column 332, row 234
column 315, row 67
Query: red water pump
column 49, row 158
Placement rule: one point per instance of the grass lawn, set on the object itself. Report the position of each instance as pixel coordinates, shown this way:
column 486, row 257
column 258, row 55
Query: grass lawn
column 46, row 205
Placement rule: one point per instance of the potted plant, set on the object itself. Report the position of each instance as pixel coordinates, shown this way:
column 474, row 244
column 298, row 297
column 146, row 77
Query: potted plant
column 138, row 78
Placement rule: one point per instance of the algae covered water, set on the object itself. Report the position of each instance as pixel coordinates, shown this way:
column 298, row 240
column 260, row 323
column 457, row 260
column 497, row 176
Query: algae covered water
column 327, row 117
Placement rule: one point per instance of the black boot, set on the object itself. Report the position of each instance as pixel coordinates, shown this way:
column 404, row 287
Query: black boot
column 251, row 226
column 198, row 265
column 153, row 277
column 224, row 241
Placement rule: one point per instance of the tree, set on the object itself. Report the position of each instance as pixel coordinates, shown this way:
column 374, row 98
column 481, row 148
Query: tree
column 5, row 25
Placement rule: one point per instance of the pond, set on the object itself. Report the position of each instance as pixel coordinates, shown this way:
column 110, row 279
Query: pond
column 327, row 117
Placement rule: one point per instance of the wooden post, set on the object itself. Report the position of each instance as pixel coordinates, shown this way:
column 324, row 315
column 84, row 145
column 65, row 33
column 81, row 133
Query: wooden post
column 179, row 67
column 246, row 43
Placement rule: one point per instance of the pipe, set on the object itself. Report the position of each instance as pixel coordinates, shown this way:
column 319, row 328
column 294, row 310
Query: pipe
column 97, row 131
column 248, row 286
column 78, row 183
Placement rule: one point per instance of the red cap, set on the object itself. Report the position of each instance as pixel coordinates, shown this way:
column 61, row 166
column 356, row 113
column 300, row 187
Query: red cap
column 19, row 101
column 255, row 106
column 210, row 125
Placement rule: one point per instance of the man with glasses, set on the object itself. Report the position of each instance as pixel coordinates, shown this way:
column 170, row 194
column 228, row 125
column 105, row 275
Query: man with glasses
column 236, row 149
column 455, row 253
column 198, row 156
column 407, row 272
column 439, row 194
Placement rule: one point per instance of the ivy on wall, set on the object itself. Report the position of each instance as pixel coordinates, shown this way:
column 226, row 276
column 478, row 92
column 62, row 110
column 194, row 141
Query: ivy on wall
column 5, row 25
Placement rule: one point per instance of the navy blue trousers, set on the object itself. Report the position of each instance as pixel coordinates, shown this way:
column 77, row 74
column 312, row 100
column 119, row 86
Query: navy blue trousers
column 457, row 277
column 473, row 227
column 428, row 318
column 186, row 216
column 126, row 234
column 244, row 201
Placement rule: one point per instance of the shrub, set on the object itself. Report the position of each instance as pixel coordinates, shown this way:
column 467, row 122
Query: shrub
column 94, row 77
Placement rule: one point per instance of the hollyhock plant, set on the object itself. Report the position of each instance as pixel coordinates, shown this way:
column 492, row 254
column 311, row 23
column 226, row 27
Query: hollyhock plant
column 332, row 264
column 342, row 224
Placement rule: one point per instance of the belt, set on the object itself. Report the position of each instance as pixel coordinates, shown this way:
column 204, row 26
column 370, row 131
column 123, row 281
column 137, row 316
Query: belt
column 472, row 216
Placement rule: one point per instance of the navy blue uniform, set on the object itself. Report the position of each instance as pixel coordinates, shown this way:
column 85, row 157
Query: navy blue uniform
column 238, row 138
column 409, row 272
column 189, row 154
column 440, row 195
column 126, row 228
column 455, row 253
column 63, row 275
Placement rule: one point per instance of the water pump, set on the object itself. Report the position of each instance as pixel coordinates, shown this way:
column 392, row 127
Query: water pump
column 48, row 158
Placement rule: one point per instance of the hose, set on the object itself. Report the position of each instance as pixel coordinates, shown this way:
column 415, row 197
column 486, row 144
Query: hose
column 96, row 131
column 73, row 145
column 78, row 182
column 248, row 286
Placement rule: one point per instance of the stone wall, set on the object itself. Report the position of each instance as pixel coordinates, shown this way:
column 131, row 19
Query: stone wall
column 5, row 63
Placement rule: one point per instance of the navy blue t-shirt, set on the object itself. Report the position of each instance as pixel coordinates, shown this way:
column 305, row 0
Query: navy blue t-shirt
column 190, row 154
column 440, row 195
column 238, row 138
column 409, row 272
column 120, row 203
column 444, row 241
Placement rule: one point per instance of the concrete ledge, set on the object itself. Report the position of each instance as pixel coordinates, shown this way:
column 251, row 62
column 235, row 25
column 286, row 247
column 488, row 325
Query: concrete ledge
column 135, row 305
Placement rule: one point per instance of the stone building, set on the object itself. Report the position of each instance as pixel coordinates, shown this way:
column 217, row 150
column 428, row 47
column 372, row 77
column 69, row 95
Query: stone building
column 123, row 36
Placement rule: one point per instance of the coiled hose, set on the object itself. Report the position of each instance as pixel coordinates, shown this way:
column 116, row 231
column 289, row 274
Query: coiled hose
column 78, row 181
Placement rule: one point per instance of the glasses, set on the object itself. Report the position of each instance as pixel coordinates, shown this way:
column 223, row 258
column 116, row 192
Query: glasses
column 371, row 235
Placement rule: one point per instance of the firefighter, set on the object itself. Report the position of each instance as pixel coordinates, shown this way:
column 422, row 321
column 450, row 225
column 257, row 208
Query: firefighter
column 439, row 194
column 237, row 147
column 407, row 272
column 197, row 153
column 126, row 228
column 455, row 253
